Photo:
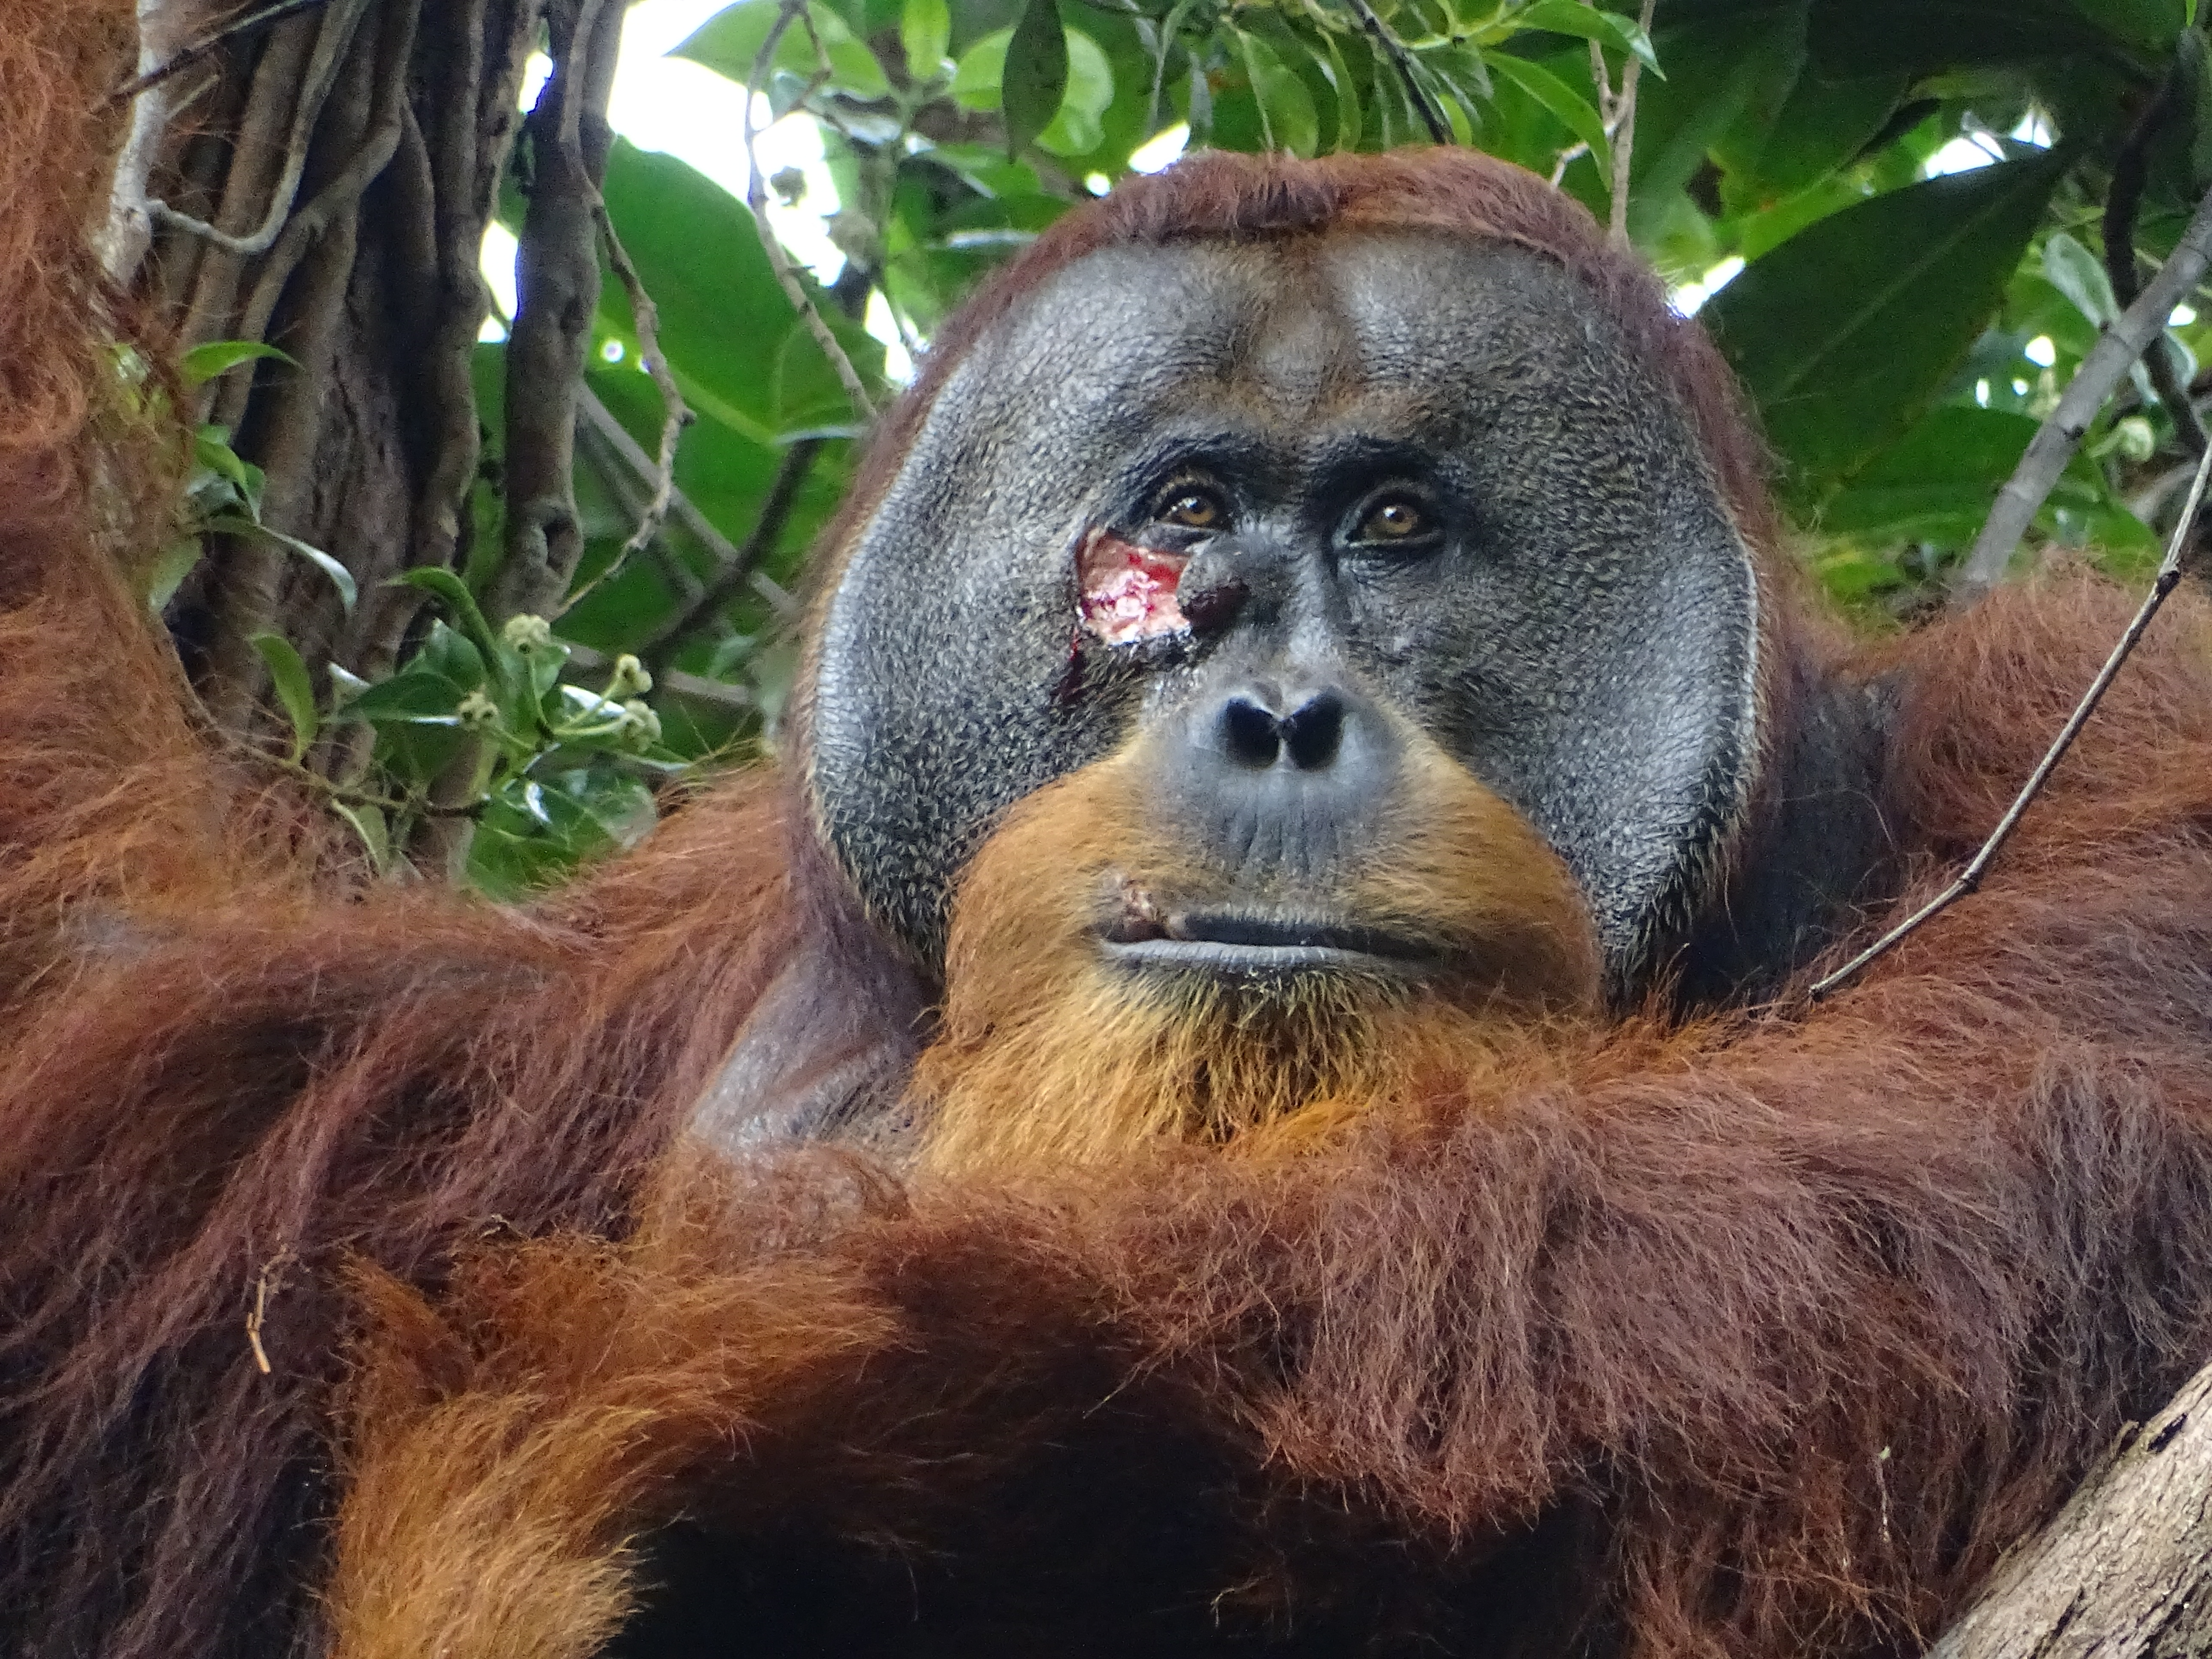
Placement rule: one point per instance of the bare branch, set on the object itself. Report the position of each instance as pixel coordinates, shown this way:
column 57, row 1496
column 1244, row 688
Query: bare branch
column 2056, row 440
column 251, row 576
column 557, row 273
column 331, row 44
column 767, row 528
column 1624, row 133
column 2121, row 1572
column 1402, row 61
column 257, row 157
column 594, row 451
column 2122, row 200
column 130, row 230
column 2169, row 575
column 156, row 69
column 725, row 553
column 756, row 199
column 312, row 222
column 676, row 414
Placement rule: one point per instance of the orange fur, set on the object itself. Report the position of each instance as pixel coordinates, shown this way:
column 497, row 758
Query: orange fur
column 1047, row 1057
column 1760, row 1336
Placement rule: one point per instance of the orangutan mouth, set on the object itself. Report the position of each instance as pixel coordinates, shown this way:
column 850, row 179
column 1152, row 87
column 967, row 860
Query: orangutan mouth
column 1248, row 943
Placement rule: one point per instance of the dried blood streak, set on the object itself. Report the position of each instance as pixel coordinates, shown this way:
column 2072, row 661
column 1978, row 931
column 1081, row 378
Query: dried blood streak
column 1129, row 591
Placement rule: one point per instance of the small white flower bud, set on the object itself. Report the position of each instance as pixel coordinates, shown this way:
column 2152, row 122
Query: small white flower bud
column 528, row 632
column 2135, row 439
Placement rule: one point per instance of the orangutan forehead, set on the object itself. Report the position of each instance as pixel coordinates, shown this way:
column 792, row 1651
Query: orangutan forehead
column 1396, row 328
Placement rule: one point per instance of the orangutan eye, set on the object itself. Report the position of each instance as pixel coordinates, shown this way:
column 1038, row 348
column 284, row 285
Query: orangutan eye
column 1191, row 506
column 1395, row 519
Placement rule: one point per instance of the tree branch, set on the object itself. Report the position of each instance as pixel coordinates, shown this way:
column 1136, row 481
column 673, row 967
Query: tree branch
column 1402, row 61
column 155, row 67
column 2122, row 200
column 557, row 273
column 756, row 200
column 1624, row 133
column 2056, row 440
column 767, row 528
column 2122, row 1573
column 725, row 553
column 331, row 41
column 676, row 414
column 129, row 231
column 2169, row 575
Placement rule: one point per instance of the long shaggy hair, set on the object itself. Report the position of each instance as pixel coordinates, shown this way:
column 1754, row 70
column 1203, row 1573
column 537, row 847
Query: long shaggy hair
column 1756, row 1334
column 1044, row 1060
column 1760, row 1335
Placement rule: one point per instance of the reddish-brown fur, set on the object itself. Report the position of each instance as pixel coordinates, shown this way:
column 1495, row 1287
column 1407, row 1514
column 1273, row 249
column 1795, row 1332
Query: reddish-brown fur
column 1776, row 1326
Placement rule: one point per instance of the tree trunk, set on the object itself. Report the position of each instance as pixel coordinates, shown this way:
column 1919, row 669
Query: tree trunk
column 323, row 186
column 2125, row 1570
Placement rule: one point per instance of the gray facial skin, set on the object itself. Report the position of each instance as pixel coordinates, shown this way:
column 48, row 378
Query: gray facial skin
column 1580, row 631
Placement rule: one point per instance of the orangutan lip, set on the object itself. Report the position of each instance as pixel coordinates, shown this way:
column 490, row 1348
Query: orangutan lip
column 1224, row 943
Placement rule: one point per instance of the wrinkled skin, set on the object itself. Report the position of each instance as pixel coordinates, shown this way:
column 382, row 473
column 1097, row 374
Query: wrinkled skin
column 1571, row 613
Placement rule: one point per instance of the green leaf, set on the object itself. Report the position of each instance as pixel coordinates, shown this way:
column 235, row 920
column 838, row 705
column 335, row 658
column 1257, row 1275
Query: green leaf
column 1605, row 28
column 212, row 449
column 729, row 42
column 2152, row 24
column 1851, row 38
column 368, row 823
column 1820, row 126
column 203, row 363
column 450, row 589
column 1573, row 110
column 1331, row 63
column 234, row 523
column 414, row 697
column 1844, row 334
column 288, row 674
column 1287, row 111
column 1036, row 76
column 446, row 652
column 170, row 569
column 2080, row 276
column 925, row 34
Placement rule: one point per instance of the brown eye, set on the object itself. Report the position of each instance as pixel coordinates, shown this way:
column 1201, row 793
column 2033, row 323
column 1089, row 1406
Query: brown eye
column 1396, row 520
column 1191, row 506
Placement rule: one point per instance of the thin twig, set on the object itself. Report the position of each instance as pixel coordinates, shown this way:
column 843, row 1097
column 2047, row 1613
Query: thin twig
column 1624, row 133
column 767, row 528
column 725, row 552
column 331, row 44
column 237, row 29
column 2056, row 440
column 264, row 1285
column 731, row 699
column 594, row 451
column 345, row 795
column 2169, row 577
column 756, row 199
column 1394, row 48
column 676, row 414
column 2122, row 197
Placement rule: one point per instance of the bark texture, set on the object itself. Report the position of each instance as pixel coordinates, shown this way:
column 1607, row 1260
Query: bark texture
column 2126, row 1569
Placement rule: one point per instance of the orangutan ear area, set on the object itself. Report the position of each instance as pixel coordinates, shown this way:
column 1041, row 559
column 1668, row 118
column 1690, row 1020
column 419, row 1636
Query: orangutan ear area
column 1471, row 1282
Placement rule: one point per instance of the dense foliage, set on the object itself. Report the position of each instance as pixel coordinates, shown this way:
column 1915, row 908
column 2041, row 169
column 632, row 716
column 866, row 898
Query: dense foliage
column 1912, row 218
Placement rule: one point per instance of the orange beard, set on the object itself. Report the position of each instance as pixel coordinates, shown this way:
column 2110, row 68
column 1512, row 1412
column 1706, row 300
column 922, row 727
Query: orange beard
column 1051, row 1055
